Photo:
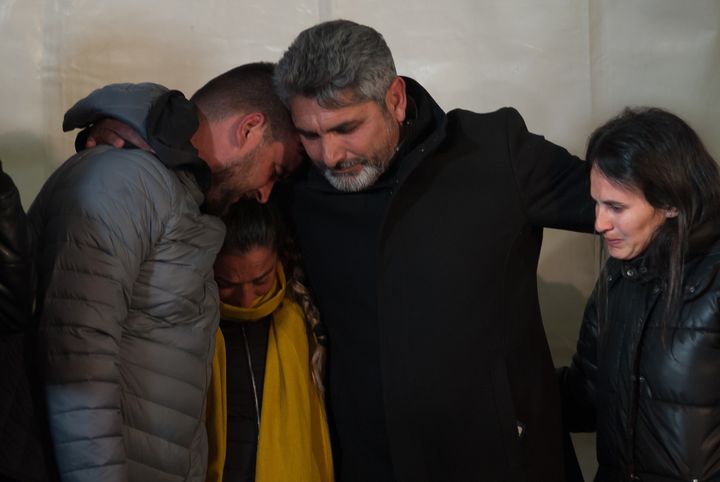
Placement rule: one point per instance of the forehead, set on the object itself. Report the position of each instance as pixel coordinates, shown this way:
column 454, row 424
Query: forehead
column 601, row 187
column 308, row 114
column 239, row 266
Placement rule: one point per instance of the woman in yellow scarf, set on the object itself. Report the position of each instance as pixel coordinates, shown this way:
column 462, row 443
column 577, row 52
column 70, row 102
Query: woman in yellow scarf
column 266, row 418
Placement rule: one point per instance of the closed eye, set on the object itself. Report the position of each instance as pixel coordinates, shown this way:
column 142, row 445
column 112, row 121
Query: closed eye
column 307, row 135
column 346, row 128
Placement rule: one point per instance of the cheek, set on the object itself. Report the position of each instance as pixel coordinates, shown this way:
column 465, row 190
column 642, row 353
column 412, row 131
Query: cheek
column 251, row 179
column 312, row 149
column 362, row 144
column 264, row 176
column 225, row 294
column 264, row 288
column 625, row 228
column 636, row 234
column 652, row 227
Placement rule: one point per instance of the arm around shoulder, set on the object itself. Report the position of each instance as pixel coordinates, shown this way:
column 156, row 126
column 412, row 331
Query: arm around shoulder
column 554, row 184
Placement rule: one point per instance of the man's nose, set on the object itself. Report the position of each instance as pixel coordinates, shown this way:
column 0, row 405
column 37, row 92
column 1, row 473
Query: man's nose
column 263, row 194
column 247, row 297
column 333, row 152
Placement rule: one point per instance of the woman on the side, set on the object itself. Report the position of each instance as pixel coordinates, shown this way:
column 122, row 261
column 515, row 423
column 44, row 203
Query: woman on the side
column 646, row 375
column 266, row 417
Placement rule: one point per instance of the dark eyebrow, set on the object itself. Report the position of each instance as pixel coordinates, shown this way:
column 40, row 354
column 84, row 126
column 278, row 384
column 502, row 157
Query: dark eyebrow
column 263, row 275
column 305, row 133
column 345, row 126
column 221, row 279
column 341, row 128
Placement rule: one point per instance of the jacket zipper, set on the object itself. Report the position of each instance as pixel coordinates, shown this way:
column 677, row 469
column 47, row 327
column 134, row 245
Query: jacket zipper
column 637, row 379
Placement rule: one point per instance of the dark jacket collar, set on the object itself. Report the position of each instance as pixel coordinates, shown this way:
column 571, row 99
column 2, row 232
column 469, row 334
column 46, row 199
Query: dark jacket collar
column 704, row 240
column 636, row 269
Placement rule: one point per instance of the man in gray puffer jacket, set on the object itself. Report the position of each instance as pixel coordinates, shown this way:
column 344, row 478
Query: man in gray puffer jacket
column 126, row 244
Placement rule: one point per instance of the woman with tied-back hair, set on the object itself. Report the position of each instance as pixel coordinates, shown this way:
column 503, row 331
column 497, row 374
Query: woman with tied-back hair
column 266, row 416
column 645, row 375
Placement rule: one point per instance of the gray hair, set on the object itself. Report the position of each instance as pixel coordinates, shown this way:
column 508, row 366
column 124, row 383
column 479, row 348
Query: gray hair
column 333, row 59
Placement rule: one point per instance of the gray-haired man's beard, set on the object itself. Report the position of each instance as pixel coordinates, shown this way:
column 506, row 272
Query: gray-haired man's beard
column 367, row 176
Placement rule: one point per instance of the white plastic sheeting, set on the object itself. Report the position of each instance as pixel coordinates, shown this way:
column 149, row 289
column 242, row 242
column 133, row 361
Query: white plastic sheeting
column 567, row 65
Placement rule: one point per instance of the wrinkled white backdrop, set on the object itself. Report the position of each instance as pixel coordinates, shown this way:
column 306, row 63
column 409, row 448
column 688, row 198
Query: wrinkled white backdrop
column 567, row 65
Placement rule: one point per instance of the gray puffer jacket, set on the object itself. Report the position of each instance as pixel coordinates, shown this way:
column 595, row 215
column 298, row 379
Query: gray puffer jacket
column 128, row 306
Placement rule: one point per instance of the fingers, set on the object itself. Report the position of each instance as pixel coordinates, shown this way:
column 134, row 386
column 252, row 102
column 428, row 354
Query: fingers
column 114, row 133
column 105, row 132
column 116, row 140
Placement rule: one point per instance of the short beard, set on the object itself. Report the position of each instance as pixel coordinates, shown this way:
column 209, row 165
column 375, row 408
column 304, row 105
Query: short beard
column 218, row 202
column 357, row 182
column 372, row 167
column 228, row 185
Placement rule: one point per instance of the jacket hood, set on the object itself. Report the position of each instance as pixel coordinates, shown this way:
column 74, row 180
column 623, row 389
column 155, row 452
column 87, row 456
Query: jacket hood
column 163, row 117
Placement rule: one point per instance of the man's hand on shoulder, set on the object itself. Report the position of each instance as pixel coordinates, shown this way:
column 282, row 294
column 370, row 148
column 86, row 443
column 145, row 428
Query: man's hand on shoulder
column 114, row 133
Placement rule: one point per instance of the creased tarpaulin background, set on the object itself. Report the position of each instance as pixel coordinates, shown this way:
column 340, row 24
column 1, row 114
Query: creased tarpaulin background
column 567, row 65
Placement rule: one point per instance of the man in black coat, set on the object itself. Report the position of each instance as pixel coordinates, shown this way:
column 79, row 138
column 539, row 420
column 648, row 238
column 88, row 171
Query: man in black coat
column 421, row 232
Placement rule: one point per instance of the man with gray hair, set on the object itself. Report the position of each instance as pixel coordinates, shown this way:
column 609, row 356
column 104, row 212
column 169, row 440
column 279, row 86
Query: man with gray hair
column 421, row 232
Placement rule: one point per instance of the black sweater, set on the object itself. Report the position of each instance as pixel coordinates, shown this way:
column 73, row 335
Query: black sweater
column 243, row 418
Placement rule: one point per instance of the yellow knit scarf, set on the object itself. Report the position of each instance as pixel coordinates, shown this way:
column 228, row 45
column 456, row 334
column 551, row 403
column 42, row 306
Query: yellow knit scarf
column 294, row 444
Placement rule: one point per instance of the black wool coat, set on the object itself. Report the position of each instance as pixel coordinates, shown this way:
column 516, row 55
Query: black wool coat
column 439, row 368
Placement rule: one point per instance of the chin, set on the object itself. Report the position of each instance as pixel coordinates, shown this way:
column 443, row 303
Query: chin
column 354, row 182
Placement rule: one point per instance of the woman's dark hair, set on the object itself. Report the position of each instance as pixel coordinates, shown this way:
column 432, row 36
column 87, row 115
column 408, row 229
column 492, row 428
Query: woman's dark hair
column 655, row 153
column 249, row 225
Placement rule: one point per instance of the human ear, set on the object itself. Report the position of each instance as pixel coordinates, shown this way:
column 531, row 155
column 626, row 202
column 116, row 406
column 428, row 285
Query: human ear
column 396, row 99
column 670, row 212
column 250, row 128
